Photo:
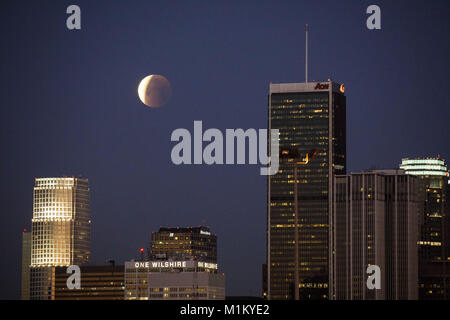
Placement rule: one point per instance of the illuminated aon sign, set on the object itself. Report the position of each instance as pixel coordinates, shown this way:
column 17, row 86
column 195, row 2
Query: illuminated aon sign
column 321, row 86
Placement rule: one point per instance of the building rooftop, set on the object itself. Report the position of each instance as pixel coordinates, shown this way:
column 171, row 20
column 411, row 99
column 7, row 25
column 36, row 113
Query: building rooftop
column 425, row 166
column 200, row 229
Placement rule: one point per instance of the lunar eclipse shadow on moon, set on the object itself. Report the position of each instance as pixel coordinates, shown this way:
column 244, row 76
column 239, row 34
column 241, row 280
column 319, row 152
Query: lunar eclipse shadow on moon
column 154, row 90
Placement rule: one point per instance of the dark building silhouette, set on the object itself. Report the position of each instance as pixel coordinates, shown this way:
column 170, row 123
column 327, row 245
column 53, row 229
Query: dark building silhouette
column 434, row 280
column 264, row 281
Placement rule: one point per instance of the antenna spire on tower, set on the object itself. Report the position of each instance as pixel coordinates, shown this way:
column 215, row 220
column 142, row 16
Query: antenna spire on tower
column 306, row 54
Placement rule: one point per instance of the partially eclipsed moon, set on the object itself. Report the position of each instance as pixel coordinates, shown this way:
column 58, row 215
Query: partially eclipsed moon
column 154, row 90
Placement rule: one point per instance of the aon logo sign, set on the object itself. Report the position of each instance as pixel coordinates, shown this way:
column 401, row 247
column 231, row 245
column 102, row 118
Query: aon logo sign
column 321, row 86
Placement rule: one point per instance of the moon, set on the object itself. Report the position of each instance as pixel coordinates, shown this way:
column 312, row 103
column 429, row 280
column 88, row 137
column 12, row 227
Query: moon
column 154, row 90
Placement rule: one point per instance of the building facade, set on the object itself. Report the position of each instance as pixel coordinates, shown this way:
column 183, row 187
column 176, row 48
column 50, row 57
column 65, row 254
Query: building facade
column 375, row 223
column 434, row 232
column 173, row 280
column 177, row 243
column 308, row 116
column 434, row 280
column 26, row 261
column 264, row 293
column 60, row 230
column 97, row 283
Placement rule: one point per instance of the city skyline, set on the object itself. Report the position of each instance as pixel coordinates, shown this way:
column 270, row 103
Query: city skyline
column 82, row 115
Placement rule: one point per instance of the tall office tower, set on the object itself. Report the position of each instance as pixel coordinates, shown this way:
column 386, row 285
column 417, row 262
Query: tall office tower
column 375, row 223
column 434, row 233
column 183, row 265
column 26, row 261
column 433, row 219
column 309, row 115
column 179, row 243
column 60, row 230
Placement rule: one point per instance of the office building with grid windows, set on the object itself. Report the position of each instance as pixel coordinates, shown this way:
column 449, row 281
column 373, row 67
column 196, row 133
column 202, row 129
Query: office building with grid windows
column 309, row 116
column 26, row 261
column 177, row 243
column 97, row 282
column 375, row 223
column 434, row 232
column 60, row 230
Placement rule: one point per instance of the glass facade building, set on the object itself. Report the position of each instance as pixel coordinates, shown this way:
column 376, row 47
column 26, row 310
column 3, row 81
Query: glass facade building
column 60, row 230
column 308, row 116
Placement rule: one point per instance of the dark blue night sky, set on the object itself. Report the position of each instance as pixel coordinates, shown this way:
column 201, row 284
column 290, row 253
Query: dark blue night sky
column 69, row 106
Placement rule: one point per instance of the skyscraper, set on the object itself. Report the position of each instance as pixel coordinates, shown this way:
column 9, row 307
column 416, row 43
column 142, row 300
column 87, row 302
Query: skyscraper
column 60, row 230
column 182, row 265
column 434, row 233
column 26, row 261
column 375, row 223
column 309, row 115
column 179, row 243
column 433, row 178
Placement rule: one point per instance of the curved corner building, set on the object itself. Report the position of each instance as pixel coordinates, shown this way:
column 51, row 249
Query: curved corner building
column 434, row 233
column 60, row 230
